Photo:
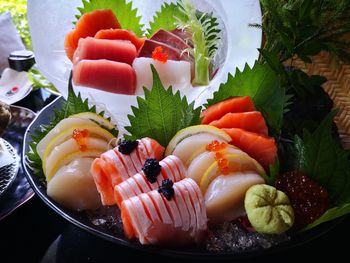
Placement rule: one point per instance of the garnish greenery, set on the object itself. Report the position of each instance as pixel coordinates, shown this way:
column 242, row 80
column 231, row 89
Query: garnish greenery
column 126, row 15
column 321, row 157
column 73, row 105
column 205, row 37
column 161, row 113
column 262, row 84
column 305, row 27
column 165, row 18
column 329, row 215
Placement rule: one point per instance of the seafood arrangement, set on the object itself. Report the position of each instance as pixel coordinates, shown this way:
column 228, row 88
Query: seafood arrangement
column 180, row 173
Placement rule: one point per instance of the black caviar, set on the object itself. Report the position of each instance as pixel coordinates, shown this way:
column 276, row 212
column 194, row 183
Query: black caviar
column 151, row 169
column 167, row 189
column 127, row 146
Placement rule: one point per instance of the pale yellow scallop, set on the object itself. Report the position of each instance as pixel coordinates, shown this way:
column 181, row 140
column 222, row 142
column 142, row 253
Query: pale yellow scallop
column 73, row 186
column 67, row 151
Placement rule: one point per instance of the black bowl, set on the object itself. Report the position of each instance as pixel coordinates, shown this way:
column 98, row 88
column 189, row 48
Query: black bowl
column 89, row 222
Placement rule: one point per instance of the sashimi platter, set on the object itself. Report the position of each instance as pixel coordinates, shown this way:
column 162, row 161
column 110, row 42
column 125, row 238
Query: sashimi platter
column 170, row 132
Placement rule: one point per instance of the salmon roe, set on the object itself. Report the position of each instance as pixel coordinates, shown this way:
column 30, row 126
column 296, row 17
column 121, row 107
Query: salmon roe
column 80, row 136
column 216, row 147
column 159, row 55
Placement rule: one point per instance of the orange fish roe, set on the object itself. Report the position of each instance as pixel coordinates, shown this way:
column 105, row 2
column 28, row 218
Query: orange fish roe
column 158, row 54
column 222, row 162
column 80, row 135
column 216, row 146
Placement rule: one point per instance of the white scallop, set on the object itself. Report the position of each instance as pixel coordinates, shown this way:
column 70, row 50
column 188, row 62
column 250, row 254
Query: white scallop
column 73, row 186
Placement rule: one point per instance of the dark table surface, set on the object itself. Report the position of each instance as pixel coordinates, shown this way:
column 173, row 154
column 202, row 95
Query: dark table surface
column 35, row 233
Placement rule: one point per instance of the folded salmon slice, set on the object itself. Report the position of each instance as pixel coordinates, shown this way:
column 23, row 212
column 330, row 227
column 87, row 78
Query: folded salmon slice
column 87, row 26
column 138, row 183
column 115, row 50
column 120, row 34
column 113, row 167
column 252, row 121
column 152, row 219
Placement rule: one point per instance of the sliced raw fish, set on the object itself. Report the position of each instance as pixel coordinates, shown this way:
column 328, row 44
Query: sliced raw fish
column 170, row 39
column 150, row 45
column 261, row 148
column 252, row 121
column 181, row 228
column 120, row 34
column 87, row 26
column 224, row 198
column 172, row 73
column 110, row 76
column 139, row 181
column 234, row 105
column 115, row 50
column 73, row 186
column 113, row 167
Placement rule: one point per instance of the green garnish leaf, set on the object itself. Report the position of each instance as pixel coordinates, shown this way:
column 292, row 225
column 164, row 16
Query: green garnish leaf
column 320, row 156
column 302, row 28
column 161, row 113
column 73, row 105
column 262, row 84
column 126, row 15
column 274, row 170
column 205, row 37
column 329, row 215
column 165, row 18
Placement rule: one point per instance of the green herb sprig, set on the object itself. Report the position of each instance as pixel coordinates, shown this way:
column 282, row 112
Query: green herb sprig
column 303, row 28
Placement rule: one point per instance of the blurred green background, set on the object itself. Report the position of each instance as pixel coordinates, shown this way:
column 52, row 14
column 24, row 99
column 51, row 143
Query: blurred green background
column 18, row 10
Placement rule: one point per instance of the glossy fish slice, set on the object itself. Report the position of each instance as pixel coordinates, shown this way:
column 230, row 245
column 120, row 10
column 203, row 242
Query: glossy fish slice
column 170, row 225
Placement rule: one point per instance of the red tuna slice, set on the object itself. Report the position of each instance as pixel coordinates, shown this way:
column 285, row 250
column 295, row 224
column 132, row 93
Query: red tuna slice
column 218, row 110
column 120, row 34
column 261, row 148
column 138, row 183
column 115, row 50
column 150, row 45
column 184, row 35
column 87, row 26
column 170, row 39
column 252, row 121
column 110, row 76
column 167, row 226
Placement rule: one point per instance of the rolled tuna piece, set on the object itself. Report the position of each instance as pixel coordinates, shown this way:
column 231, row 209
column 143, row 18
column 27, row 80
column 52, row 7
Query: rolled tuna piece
column 110, row 76
column 115, row 50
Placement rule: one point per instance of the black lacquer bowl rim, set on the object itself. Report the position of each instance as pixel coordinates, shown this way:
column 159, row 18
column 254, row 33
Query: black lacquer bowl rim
column 199, row 253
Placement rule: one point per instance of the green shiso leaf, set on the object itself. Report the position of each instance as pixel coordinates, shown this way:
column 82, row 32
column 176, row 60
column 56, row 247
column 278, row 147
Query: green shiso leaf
column 262, row 84
column 126, row 15
column 321, row 157
column 329, row 215
column 161, row 113
column 73, row 105
column 165, row 18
